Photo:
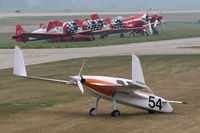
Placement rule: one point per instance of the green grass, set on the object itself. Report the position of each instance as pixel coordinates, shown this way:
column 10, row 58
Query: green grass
column 110, row 40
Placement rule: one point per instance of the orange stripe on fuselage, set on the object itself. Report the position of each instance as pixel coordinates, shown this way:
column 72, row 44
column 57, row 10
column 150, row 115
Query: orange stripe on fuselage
column 88, row 82
column 100, row 82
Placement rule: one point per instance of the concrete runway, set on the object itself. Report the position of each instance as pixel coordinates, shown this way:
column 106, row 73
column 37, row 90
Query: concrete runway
column 36, row 56
column 26, row 14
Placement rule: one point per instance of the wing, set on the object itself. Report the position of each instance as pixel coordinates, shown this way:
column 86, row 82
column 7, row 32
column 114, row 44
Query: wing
column 112, row 31
column 43, row 36
column 20, row 69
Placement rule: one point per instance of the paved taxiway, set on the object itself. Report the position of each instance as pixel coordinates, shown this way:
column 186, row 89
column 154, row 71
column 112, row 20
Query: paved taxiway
column 36, row 56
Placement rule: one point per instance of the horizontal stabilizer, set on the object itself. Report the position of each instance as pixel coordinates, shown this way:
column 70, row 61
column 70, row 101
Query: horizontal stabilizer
column 181, row 102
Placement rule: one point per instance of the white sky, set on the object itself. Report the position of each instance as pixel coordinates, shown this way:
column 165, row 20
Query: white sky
column 102, row 4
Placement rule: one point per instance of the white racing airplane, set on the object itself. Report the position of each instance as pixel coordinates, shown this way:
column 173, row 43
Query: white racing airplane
column 130, row 92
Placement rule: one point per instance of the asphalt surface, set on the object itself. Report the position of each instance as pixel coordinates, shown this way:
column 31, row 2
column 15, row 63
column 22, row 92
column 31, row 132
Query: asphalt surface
column 36, row 56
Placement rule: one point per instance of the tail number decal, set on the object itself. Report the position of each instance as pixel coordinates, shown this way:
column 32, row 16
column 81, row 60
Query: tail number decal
column 153, row 103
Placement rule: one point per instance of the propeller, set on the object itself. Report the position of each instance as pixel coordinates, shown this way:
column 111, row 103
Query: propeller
column 163, row 26
column 78, row 79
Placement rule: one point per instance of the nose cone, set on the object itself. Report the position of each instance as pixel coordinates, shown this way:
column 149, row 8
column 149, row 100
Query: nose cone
column 76, row 78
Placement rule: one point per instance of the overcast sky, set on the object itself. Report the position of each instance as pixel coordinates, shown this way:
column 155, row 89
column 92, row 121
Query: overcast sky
column 101, row 4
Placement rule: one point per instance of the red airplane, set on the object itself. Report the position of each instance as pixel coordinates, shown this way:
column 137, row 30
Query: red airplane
column 144, row 21
column 56, row 31
column 81, row 30
column 136, row 24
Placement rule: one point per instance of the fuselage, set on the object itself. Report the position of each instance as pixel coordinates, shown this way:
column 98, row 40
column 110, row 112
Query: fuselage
column 139, row 98
column 139, row 20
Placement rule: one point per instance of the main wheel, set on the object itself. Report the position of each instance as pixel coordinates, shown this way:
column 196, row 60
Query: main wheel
column 146, row 33
column 102, row 36
column 91, row 110
column 93, row 38
column 115, row 113
column 155, row 31
column 151, row 112
column 131, row 33
column 122, row 35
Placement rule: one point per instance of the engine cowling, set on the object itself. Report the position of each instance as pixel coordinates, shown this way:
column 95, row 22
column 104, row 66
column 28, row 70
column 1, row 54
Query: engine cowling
column 116, row 23
column 70, row 27
column 94, row 24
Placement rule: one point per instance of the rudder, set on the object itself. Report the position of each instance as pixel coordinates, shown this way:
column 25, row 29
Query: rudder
column 19, row 32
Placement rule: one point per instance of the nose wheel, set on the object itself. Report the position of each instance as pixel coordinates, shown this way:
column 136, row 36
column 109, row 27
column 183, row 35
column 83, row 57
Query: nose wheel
column 94, row 111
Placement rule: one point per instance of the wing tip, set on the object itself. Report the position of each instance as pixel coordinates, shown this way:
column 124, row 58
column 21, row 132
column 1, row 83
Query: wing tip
column 20, row 47
column 136, row 55
column 184, row 102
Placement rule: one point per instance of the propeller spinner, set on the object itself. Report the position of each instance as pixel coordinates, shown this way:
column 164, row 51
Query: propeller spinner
column 78, row 79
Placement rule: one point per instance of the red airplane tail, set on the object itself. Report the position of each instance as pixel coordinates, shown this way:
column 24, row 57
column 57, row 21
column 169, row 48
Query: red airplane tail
column 79, row 22
column 107, row 20
column 95, row 16
column 42, row 26
column 19, row 32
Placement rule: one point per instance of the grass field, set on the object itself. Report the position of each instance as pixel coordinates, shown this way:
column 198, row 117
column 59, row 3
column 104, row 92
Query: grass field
column 179, row 25
column 114, row 39
column 174, row 77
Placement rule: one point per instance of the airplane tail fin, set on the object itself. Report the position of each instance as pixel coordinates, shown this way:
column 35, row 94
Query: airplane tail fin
column 78, row 21
column 20, row 69
column 137, row 74
column 19, row 65
column 107, row 20
column 19, row 32
column 42, row 25
column 95, row 16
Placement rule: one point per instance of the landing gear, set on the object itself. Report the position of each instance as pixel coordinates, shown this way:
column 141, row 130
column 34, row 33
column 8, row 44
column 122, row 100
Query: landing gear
column 72, row 38
column 155, row 31
column 93, row 38
column 151, row 112
column 122, row 34
column 144, row 33
column 115, row 112
column 94, row 111
column 102, row 36
column 131, row 33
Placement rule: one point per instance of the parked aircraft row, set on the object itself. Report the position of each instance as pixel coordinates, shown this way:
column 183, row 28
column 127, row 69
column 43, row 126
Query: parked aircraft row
column 84, row 30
